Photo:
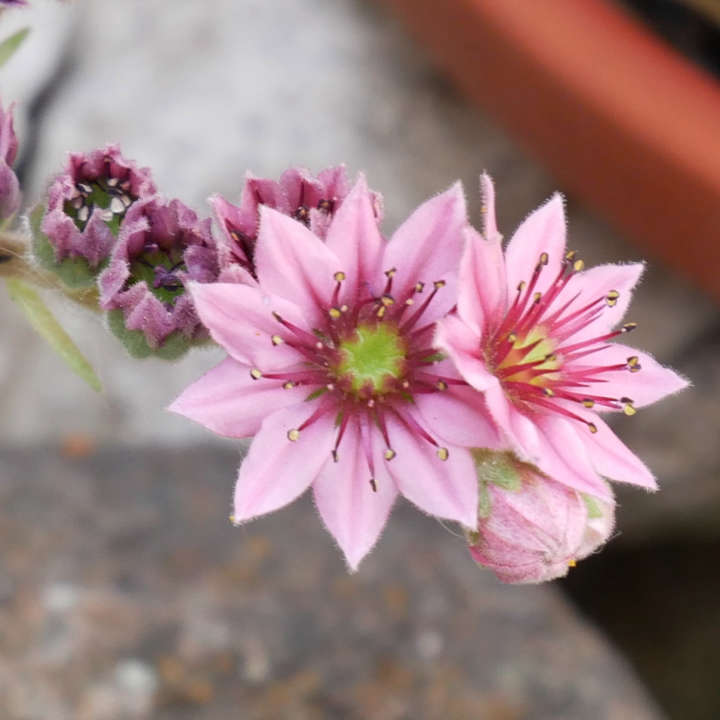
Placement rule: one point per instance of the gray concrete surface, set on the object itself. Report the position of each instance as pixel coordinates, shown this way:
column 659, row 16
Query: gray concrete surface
column 116, row 609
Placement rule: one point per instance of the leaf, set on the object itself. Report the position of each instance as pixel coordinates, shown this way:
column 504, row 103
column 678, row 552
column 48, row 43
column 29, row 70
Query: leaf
column 48, row 327
column 11, row 44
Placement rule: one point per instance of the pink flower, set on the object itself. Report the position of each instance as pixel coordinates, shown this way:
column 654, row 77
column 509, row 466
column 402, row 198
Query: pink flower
column 533, row 333
column 161, row 248
column 332, row 368
column 312, row 200
column 531, row 528
column 9, row 185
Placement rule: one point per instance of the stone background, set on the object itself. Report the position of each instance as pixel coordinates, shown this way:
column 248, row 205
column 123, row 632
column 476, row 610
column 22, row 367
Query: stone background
column 200, row 91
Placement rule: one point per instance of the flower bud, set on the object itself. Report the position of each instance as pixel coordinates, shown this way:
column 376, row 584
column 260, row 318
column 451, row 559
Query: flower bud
column 312, row 200
column 530, row 527
column 9, row 185
column 87, row 204
column 162, row 247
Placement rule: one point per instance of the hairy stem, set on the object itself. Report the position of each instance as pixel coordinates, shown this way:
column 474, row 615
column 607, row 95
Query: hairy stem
column 16, row 261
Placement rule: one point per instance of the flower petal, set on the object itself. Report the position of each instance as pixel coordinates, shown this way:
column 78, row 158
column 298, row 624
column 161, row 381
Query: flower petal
column 276, row 469
column 565, row 458
column 482, row 296
column 354, row 237
column 446, row 488
column 543, row 231
column 353, row 513
column 651, row 383
column 462, row 345
column 613, row 459
column 228, row 401
column 594, row 284
column 459, row 416
column 294, row 264
column 240, row 319
column 428, row 244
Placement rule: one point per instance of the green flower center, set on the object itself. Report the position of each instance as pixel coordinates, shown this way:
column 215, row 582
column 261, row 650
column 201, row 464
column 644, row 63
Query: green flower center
column 372, row 358
column 531, row 348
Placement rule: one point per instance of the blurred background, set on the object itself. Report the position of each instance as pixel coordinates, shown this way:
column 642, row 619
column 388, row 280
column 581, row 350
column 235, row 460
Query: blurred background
column 123, row 592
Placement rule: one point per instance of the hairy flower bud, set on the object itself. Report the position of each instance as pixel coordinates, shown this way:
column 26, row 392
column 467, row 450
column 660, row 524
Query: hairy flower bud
column 87, row 204
column 9, row 186
column 309, row 199
column 161, row 247
column 530, row 527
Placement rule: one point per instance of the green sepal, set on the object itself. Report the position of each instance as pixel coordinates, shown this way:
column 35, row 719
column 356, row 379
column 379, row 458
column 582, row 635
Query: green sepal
column 484, row 501
column 499, row 468
column 45, row 324
column 74, row 272
column 10, row 45
column 593, row 507
column 174, row 346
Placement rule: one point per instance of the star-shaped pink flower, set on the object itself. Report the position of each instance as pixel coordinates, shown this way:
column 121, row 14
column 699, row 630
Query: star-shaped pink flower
column 534, row 333
column 332, row 368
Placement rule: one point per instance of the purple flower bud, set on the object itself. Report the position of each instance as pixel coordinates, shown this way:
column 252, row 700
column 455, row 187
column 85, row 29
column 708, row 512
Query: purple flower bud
column 161, row 247
column 531, row 528
column 312, row 200
column 88, row 202
column 9, row 185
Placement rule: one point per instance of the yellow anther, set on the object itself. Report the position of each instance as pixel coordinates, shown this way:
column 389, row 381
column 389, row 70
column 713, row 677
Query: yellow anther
column 572, row 563
column 512, row 338
column 381, row 311
column 549, row 392
column 612, row 298
column 391, row 272
column 293, row 435
column 339, row 276
column 536, row 297
column 588, row 403
column 592, row 427
column 628, row 327
column 521, row 286
column 628, row 407
column 550, row 357
column 231, row 518
column 570, row 255
column 343, row 308
column 419, row 287
column 441, row 385
column 543, row 259
column 255, row 374
column 443, row 453
column 373, row 485
column 578, row 265
column 409, row 301
column 439, row 284
column 289, row 385
column 387, row 300
column 390, row 454
column 633, row 360
column 276, row 340
column 334, row 313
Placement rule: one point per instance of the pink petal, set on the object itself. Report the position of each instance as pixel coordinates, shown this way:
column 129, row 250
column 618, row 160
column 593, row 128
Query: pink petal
column 240, row 319
column 482, row 296
column 644, row 387
column 597, row 283
column 353, row 513
column 446, row 488
column 489, row 225
column 462, row 345
column 428, row 245
column 458, row 416
column 277, row 470
column 294, row 264
column 354, row 237
column 613, row 459
column 565, row 458
column 229, row 402
column 543, row 231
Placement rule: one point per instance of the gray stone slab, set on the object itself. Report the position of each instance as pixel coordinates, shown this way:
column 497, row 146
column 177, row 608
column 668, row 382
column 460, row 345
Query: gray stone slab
column 126, row 594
